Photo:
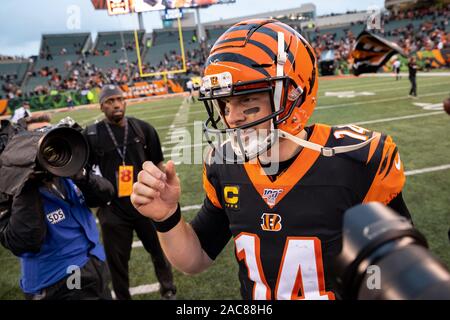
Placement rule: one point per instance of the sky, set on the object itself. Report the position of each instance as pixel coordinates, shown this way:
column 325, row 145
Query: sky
column 23, row 22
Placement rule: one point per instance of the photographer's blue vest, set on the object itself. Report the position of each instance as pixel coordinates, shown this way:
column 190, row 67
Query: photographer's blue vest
column 71, row 237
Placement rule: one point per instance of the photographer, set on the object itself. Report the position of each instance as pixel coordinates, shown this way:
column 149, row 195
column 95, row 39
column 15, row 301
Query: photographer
column 48, row 224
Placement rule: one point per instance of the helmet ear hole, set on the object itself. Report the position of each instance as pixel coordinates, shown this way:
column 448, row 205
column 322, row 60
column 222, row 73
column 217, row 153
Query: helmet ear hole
column 294, row 93
column 294, row 118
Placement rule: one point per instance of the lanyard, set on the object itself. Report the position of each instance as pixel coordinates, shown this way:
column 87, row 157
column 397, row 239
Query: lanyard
column 123, row 152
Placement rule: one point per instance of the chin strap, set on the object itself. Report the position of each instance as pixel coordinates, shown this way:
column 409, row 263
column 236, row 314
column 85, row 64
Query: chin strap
column 325, row 151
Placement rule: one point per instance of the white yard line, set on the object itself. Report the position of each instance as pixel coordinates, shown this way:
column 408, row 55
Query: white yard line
column 177, row 128
column 412, row 116
column 426, row 170
column 92, row 119
column 149, row 110
column 348, row 104
column 333, row 85
column 370, row 86
column 146, row 288
column 404, row 74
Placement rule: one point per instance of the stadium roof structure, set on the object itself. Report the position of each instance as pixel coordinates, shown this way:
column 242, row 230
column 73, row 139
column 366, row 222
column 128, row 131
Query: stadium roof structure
column 340, row 19
column 398, row 3
column 307, row 8
column 64, row 40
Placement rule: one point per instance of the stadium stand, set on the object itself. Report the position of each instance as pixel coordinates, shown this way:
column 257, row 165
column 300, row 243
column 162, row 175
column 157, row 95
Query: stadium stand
column 57, row 54
column 12, row 73
column 165, row 51
column 114, row 49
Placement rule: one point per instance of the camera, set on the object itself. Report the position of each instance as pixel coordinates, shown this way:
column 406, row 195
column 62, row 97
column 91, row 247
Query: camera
column 59, row 150
column 376, row 236
column 62, row 150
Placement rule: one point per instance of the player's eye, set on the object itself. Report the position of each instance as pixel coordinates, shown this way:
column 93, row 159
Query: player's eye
column 247, row 100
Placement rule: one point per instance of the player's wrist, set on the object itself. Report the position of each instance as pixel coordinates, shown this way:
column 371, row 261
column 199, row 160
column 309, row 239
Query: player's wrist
column 169, row 221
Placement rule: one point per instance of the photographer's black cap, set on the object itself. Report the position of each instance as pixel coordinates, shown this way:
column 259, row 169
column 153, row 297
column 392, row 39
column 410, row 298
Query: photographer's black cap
column 108, row 91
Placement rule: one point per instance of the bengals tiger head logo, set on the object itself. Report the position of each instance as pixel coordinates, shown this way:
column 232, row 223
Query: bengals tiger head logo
column 214, row 81
column 271, row 222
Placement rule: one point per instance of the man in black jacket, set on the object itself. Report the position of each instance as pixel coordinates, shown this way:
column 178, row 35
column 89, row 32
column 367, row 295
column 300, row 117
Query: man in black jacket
column 119, row 146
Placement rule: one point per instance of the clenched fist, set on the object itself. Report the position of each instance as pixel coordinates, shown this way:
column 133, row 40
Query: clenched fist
column 156, row 193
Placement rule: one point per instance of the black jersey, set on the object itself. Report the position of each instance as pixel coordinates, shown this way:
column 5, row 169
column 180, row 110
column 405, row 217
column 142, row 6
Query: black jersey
column 287, row 231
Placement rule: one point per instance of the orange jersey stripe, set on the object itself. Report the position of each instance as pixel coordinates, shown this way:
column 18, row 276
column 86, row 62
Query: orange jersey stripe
column 390, row 177
column 210, row 190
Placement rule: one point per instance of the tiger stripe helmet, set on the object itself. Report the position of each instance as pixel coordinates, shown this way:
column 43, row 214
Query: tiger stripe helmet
column 257, row 55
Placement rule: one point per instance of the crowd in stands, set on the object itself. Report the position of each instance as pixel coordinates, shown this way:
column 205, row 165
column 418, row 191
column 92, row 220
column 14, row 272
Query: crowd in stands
column 173, row 61
column 10, row 88
column 86, row 75
column 110, row 47
column 47, row 54
column 430, row 34
column 10, row 84
column 82, row 76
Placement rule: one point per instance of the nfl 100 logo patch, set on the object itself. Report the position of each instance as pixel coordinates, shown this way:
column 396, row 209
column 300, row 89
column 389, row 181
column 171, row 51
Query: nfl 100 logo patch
column 271, row 195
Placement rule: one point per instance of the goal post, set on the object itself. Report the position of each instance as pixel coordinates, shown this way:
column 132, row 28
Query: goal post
column 162, row 73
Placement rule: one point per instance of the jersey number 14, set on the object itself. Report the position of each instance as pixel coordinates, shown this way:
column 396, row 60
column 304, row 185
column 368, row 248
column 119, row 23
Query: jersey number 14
column 301, row 273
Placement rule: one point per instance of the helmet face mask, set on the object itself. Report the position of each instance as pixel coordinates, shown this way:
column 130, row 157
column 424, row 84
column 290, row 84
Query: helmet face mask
column 274, row 59
column 239, row 145
column 246, row 141
column 212, row 102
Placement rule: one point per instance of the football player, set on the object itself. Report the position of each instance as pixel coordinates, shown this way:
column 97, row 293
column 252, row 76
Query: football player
column 285, row 220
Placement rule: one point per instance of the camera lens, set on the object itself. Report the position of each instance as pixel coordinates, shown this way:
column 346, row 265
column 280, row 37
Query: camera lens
column 62, row 151
column 380, row 245
column 57, row 152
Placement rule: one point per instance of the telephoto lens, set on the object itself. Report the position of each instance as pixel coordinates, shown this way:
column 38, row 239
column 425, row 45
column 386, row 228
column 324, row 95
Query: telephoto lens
column 63, row 151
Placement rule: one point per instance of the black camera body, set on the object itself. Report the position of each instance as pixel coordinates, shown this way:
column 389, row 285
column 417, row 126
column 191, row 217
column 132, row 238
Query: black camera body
column 59, row 150
column 376, row 238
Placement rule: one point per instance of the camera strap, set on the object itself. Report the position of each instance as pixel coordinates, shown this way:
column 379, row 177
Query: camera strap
column 58, row 192
column 122, row 152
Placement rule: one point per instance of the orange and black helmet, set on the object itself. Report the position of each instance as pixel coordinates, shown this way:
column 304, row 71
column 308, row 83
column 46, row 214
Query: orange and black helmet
column 263, row 56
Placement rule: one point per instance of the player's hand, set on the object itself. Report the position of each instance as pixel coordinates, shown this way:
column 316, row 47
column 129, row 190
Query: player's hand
column 156, row 193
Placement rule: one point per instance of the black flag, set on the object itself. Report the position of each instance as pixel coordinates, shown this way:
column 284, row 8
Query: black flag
column 372, row 52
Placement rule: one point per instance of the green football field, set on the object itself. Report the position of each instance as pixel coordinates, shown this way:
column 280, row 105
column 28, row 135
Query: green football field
column 419, row 127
